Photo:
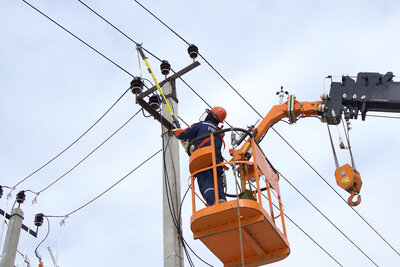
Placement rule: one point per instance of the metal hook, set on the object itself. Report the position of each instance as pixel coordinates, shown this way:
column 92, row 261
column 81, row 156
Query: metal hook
column 350, row 199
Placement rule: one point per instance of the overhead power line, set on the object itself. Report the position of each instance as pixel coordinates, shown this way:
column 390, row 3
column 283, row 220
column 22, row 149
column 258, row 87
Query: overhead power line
column 75, row 36
column 105, row 191
column 73, row 143
column 334, row 225
column 304, row 232
column 88, row 155
column 337, row 193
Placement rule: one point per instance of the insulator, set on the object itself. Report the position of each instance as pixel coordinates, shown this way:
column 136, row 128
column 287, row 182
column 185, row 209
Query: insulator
column 193, row 51
column 165, row 67
column 154, row 102
column 1, row 191
column 21, row 197
column 39, row 219
column 137, row 85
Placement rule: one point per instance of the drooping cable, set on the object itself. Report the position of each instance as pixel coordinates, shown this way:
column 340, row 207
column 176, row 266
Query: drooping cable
column 74, row 142
column 323, row 215
column 47, row 235
column 88, row 155
column 105, row 191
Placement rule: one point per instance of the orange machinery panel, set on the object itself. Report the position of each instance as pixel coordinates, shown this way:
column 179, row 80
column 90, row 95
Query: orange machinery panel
column 217, row 227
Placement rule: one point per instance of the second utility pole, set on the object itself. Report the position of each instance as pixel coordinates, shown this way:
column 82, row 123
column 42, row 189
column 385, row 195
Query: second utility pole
column 173, row 253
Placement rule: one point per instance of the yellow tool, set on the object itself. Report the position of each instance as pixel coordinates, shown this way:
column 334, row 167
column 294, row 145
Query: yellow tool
column 175, row 121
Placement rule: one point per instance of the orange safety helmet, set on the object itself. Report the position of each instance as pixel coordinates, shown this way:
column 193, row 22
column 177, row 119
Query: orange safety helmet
column 219, row 113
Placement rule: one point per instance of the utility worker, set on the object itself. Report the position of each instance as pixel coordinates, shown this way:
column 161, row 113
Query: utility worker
column 205, row 179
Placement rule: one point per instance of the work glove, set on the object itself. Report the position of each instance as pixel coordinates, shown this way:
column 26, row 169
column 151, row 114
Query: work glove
column 184, row 143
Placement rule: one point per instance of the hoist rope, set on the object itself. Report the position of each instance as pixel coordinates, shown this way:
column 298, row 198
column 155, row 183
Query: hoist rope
column 347, row 134
column 233, row 142
column 333, row 148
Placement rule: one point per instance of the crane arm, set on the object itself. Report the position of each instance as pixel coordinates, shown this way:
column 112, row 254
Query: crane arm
column 370, row 92
column 292, row 109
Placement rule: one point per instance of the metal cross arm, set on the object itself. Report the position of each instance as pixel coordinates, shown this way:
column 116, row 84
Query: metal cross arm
column 24, row 227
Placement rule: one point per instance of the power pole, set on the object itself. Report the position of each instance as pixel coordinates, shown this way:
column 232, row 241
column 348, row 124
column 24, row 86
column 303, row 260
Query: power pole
column 173, row 252
column 12, row 238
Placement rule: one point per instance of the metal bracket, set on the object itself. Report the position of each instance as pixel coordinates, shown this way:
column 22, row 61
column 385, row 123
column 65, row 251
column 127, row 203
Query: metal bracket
column 24, row 227
column 154, row 113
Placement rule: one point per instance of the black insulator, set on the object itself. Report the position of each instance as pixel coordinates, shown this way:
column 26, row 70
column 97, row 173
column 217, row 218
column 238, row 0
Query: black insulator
column 193, row 51
column 165, row 67
column 21, row 197
column 39, row 219
column 1, row 191
column 154, row 102
column 137, row 85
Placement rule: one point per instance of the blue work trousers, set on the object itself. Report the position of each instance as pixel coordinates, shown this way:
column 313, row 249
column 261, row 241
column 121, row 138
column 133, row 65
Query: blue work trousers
column 205, row 181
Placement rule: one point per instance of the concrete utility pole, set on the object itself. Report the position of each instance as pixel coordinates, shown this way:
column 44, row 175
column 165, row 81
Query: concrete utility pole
column 12, row 238
column 173, row 253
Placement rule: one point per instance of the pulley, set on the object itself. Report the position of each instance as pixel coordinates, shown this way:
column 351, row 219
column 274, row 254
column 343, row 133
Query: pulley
column 39, row 219
column 21, row 197
column 165, row 67
column 136, row 85
column 193, row 51
column 154, row 102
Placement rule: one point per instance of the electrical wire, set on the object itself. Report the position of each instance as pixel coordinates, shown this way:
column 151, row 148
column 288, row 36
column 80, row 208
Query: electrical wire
column 320, row 212
column 47, row 235
column 304, row 232
column 108, row 189
column 88, row 155
column 381, row 116
column 337, row 193
column 74, row 142
column 153, row 55
column 75, row 36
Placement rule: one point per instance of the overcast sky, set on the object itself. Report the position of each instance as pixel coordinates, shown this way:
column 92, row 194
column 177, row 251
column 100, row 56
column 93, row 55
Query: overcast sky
column 53, row 88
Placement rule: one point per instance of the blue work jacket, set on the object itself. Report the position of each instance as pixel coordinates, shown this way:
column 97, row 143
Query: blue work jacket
column 200, row 129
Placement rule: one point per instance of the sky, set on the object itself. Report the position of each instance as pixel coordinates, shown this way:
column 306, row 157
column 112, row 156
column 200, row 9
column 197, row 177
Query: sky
column 53, row 88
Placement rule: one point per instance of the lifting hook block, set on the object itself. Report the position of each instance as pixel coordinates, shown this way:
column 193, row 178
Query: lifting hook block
column 350, row 199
